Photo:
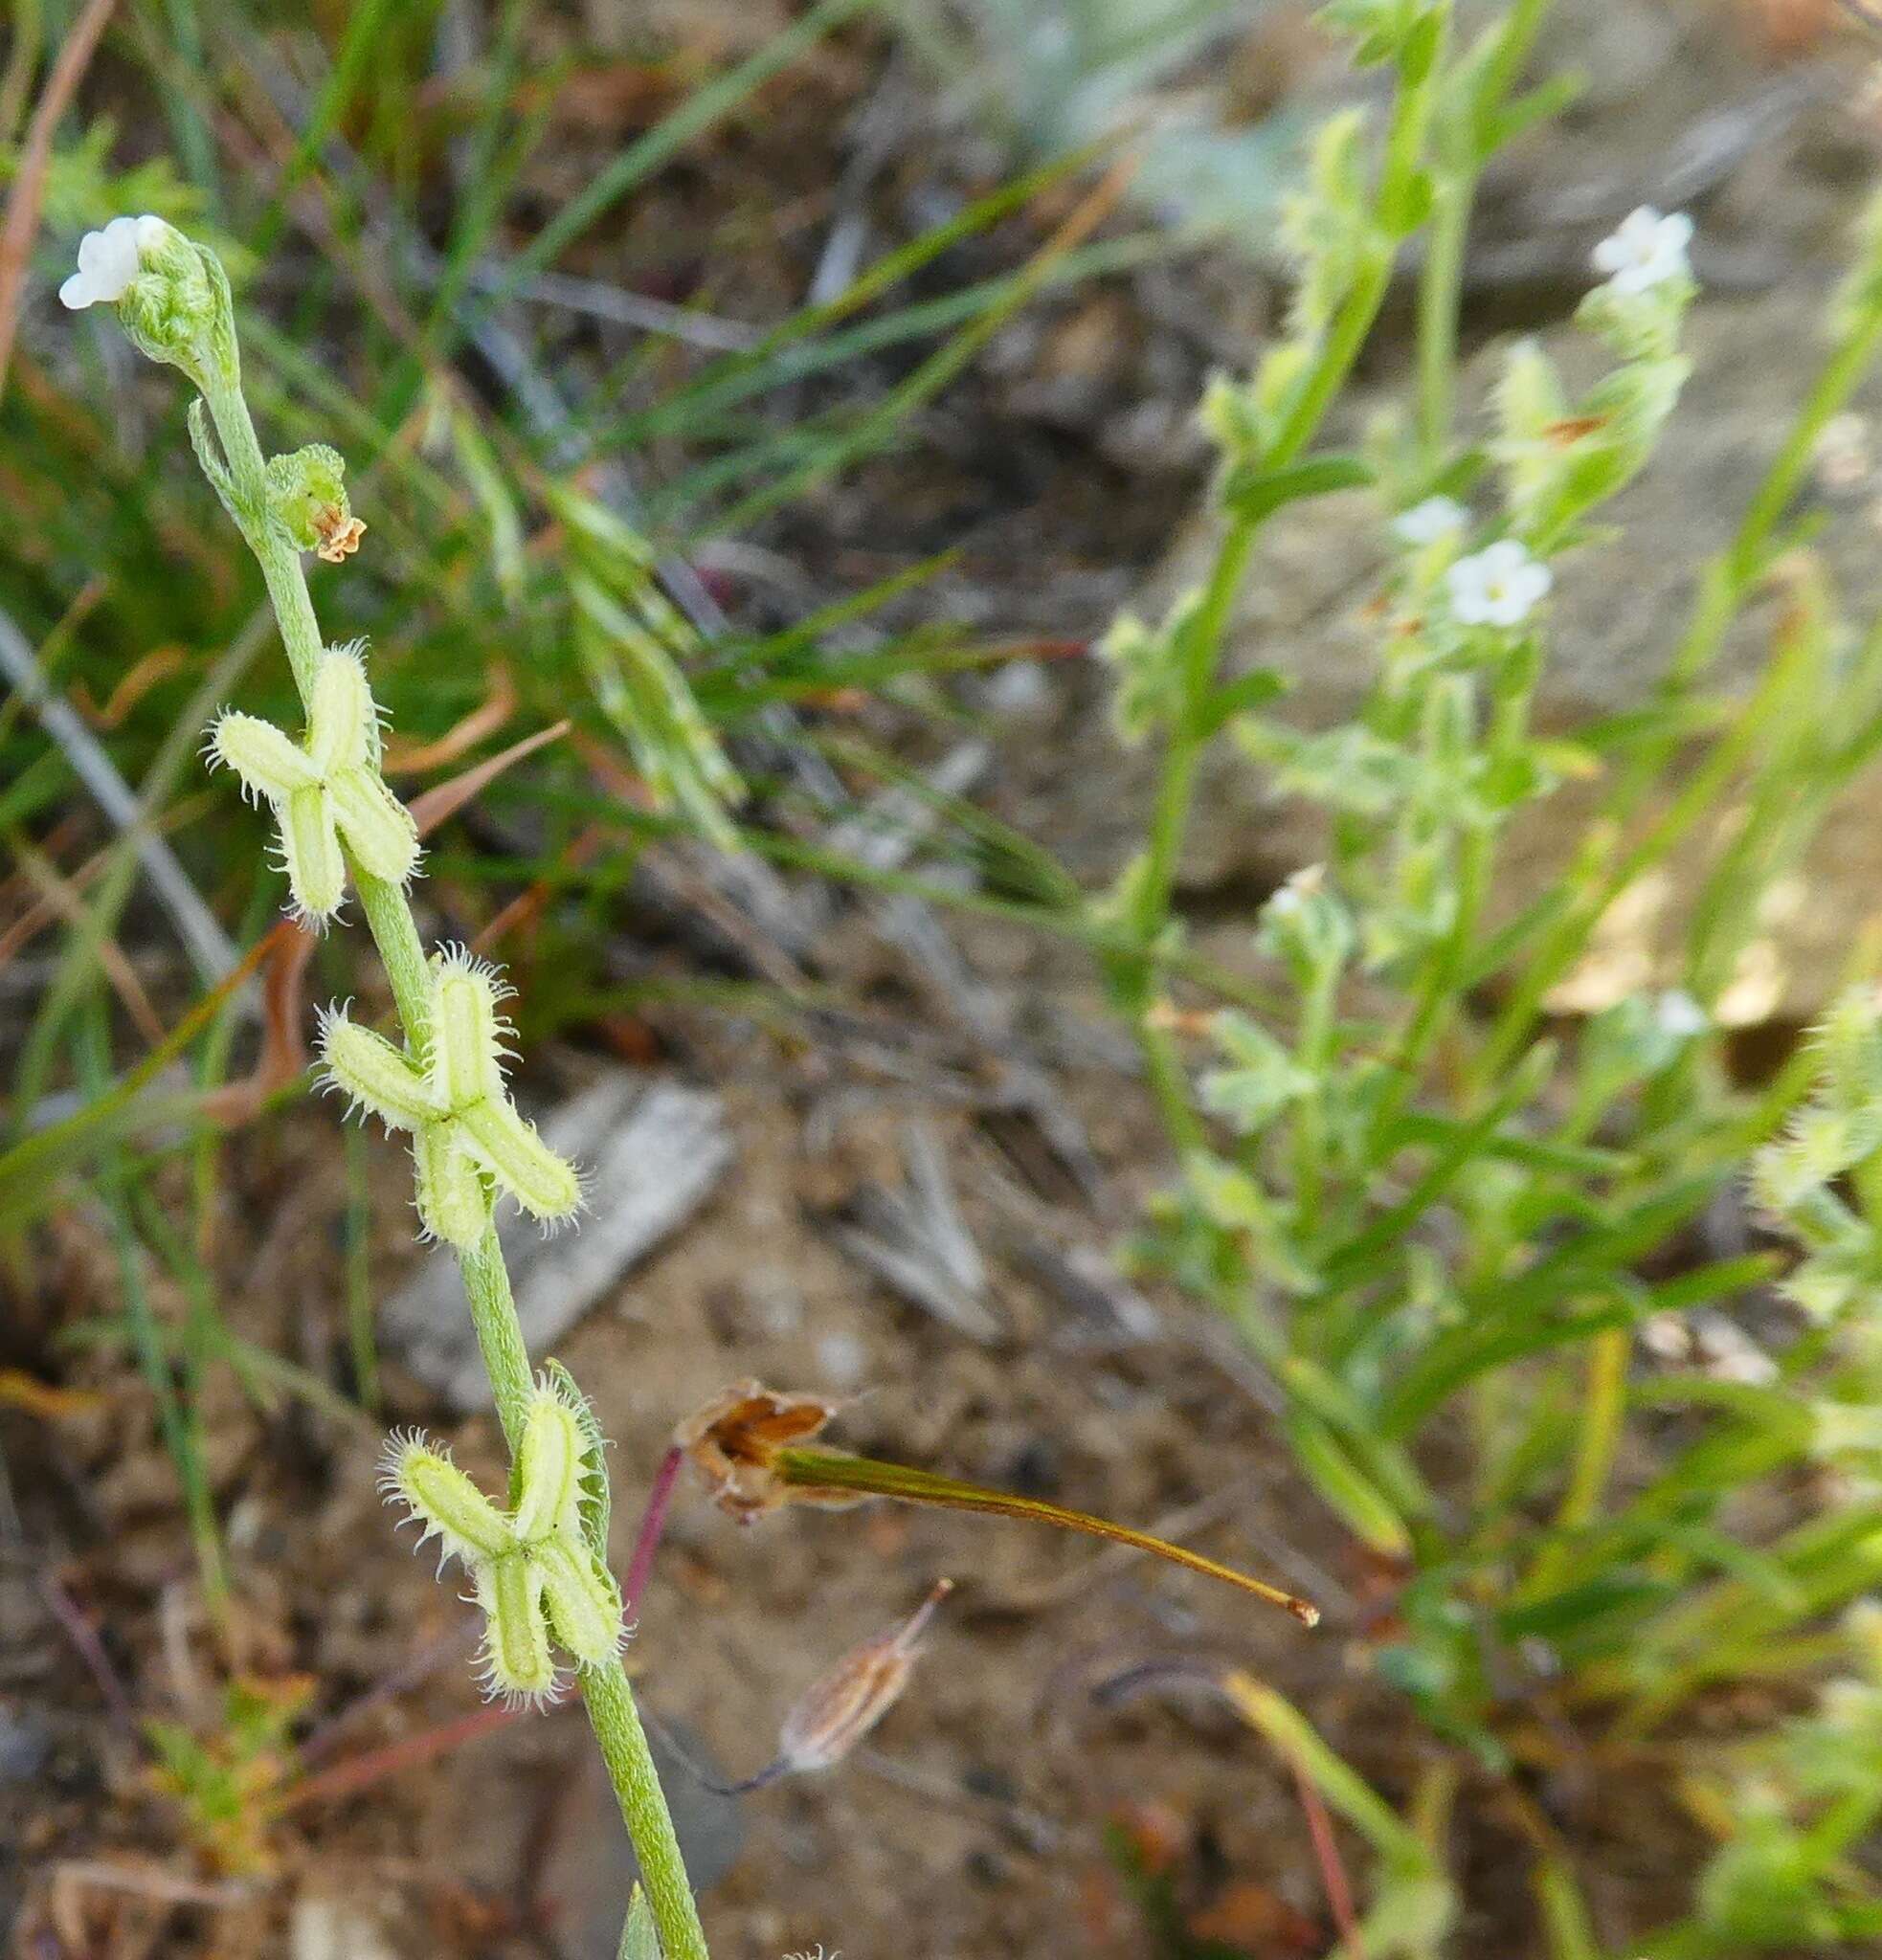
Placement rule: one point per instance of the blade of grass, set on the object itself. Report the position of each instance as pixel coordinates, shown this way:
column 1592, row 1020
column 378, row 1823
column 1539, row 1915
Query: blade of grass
column 177, row 1418
column 701, row 109
column 878, row 427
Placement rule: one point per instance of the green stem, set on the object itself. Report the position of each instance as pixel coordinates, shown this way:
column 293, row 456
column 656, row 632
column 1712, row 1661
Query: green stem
column 605, row 1691
column 623, row 1742
column 1313, row 1050
column 1600, row 1439
column 1191, row 733
column 1441, row 997
column 395, row 931
column 1744, row 559
column 1192, row 728
column 499, row 1334
column 1438, row 290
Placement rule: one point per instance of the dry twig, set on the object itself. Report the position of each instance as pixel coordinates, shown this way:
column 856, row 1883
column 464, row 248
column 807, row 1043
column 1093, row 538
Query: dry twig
column 22, row 217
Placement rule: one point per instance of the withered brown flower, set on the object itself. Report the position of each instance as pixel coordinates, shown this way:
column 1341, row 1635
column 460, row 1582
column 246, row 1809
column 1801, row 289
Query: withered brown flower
column 339, row 534
column 734, row 1442
column 747, row 1445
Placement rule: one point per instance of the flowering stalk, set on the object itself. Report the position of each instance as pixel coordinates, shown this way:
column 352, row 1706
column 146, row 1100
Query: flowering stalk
column 1347, row 240
column 538, row 1570
column 1724, row 587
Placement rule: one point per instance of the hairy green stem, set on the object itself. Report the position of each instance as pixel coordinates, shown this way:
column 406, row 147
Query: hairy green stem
column 395, row 931
column 1438, row 296
column 605, row 1691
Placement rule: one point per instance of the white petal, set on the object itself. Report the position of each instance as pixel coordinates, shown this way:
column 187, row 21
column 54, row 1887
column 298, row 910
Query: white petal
column 108, row 262
column 1424, row 524
column 1679, row 1015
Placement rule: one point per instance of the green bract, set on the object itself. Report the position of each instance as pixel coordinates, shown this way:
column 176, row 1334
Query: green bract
column 468, row 1143
column 532, row 1567
column 326, row 790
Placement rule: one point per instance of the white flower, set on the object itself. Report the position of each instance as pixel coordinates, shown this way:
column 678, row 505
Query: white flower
column 1424, row 524
column 1500, row 585
column 1679, row 1015
column 1290, row 901
column 1646, row 250
column 109, row 261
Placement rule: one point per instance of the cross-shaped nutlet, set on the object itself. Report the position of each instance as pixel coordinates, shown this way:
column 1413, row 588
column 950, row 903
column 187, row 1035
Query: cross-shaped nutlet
column 533, row 1569
column 325, row 789
column 468, row 1143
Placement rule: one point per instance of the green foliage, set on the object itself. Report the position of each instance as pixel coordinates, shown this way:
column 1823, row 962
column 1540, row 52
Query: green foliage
column 224, row 1781
column 1435, row 1231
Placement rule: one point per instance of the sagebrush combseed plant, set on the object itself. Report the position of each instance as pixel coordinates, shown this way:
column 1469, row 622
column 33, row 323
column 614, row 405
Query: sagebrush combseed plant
column 538, row 1563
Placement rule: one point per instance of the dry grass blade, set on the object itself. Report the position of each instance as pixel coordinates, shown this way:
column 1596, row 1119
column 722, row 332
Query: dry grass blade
column 443, row 801
column 361, row 1771
column 284, row 1054
column 22, row 217
column 482, row 723
column 58, row 893
column 208, row 946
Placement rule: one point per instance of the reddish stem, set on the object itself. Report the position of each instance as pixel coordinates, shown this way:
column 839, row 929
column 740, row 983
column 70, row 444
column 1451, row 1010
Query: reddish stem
column 361, row 1771
column 653, row 1522
column 83, row 1635
column 1332, row 1870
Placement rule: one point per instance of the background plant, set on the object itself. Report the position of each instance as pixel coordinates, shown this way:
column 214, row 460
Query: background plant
column 1432, row 1223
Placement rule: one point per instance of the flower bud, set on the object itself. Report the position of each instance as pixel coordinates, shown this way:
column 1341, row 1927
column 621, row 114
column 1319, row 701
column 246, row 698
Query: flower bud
column 271, row 768
column 325, row 790
column 513, row 1153
column 583, row 1602
column 177, row 307
column 549, row 1466
column 372, row 1073
column 454, row 1202
column 517, row 1663
column 438, row 1495
column 310, row 854
column 468, row 1033
column 1307, row 925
